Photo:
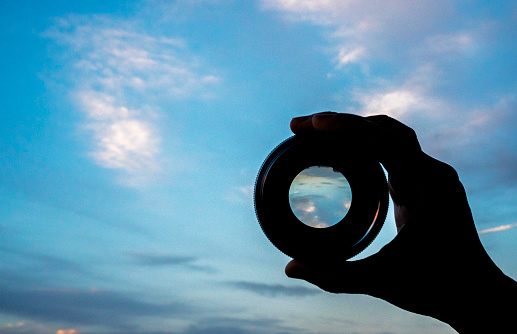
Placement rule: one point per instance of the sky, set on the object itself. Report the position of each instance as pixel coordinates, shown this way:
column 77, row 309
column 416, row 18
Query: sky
column 132, row 133
column 319, row 196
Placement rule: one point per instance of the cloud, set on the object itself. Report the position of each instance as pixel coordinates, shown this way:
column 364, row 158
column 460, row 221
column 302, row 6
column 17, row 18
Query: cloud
column 418, row 58
column 456, row 42
column 483, row 131
column 102, row 107
column 118, row 55
column 498, row 229
column 306, row 211
column 160, row 259
column 125, row 144
column 373, row 27
column 396, row 103
column 233, row 325
column 165, row 260
column 123, row 140
column 241, row 194
column 32, row 268
column 405, row 49
column 83, row 307
column 121, row 74
column 274, row 290
column 217, row 330
column 209, row 325
column 15, row 328
column 347, row 56
column 303, row 203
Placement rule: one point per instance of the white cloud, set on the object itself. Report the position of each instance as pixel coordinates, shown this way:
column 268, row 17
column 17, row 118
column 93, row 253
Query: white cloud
column 387, row 29
column 370, row 15
column 121, row 75
column 317, row 224
column 401, row 100
column 99, row 106
column 347, row 56
column 306, row 207
column 122, row 139
column 498, row 229
column 119, row 59
column 305, row 210
column 128, row 144
column 241, row 194
column 412, row 38
column 453, row 42
column 394, row 103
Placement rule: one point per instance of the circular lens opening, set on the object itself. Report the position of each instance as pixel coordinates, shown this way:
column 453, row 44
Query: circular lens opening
column 320, row 196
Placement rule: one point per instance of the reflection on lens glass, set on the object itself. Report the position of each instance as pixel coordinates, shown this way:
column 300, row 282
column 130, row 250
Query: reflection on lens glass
column 320, row 196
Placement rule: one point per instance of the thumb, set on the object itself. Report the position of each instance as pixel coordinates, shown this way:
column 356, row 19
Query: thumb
column 342, row 277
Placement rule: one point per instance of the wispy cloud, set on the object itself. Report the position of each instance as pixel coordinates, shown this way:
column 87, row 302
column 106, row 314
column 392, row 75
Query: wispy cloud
column 498, row 228
column 410, row 37
column 488, row 131
column 14, row 328
column 274, row 290
column 41, row 263
column 395, row 103
column 83, row 307
column 234, row 325
column 241, row 194
column 305, row 210
column 372, row 27
column 456, row 42
column 165, row 260
column 347, row 56
column 123, row 139
column 121, row 74
column 152, row 259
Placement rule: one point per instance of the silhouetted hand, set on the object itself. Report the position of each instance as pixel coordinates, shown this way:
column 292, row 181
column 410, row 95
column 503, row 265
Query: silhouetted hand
column 436, row 265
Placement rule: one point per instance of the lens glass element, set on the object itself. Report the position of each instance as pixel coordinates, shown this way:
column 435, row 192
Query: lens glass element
column 320, row 196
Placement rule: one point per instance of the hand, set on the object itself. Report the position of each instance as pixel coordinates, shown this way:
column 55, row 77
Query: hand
column 436, row 265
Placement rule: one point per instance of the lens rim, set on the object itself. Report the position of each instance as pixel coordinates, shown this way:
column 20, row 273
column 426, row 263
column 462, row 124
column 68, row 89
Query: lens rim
column 346, row 238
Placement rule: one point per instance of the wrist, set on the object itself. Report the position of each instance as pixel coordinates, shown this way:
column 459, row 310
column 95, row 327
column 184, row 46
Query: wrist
column 487, row 307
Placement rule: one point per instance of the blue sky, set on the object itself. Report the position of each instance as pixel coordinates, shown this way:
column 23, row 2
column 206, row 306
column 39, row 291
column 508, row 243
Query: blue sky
column 132, row 132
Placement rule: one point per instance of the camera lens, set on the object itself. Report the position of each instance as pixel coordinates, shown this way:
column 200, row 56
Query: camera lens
column 303, row 198
column 320, row 196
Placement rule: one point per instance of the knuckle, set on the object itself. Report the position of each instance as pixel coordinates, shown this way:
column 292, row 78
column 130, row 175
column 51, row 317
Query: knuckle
column 443, row 170
column 397, row 134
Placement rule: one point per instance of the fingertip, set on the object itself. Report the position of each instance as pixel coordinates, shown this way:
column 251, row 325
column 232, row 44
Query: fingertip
column 331, row 121
column 323, row 121
column 306, row 123
column 295, row 269
column 298, row 124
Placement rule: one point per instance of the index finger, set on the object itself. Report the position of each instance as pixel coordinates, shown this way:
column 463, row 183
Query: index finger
column 392, row 142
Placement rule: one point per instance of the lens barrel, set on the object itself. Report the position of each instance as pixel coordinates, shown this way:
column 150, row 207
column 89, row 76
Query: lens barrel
column 349, row 236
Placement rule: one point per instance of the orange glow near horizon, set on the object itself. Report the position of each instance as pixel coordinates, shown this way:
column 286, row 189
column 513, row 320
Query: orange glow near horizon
column 67, row 331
